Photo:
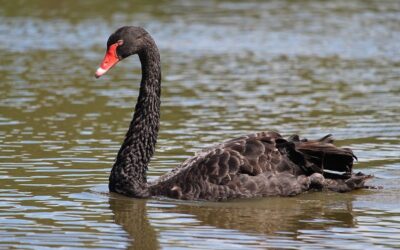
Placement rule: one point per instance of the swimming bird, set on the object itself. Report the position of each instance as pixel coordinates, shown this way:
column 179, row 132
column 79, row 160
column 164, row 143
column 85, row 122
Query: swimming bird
column 255, row 165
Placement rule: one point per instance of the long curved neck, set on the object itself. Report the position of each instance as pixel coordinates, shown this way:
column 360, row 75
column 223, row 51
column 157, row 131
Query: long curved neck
column 128, row 175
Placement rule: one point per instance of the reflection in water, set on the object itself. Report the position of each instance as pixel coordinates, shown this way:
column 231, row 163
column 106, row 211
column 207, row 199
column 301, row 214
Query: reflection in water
column 266, row 219
column 272, row 218
column 131, row 214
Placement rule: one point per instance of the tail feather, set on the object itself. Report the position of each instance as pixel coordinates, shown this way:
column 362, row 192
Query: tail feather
column 326, row 156
column 321, row 156
column 327, row 139
column 316, row 157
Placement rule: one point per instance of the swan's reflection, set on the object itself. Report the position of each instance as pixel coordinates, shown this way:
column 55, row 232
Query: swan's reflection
column 131, row 214
column 268, row 216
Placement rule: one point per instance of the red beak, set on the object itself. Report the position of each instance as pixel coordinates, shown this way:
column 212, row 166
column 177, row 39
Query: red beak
column 110, row 59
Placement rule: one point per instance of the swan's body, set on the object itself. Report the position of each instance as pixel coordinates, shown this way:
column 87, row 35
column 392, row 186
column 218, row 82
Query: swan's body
column 260, row 164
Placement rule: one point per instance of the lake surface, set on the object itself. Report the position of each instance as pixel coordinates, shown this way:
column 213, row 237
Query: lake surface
column 229, row 68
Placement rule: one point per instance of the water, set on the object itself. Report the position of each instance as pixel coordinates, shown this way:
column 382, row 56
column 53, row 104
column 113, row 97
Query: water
column 229, row 68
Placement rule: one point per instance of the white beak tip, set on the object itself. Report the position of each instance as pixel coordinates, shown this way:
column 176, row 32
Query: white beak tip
column 99, row 72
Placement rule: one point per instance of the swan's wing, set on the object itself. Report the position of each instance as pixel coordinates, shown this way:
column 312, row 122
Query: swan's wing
column 251, row 154
column 226, row 170
column 256, row 153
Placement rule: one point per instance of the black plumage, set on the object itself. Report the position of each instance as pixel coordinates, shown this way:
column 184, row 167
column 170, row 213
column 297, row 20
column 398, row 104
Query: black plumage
column 255, row 165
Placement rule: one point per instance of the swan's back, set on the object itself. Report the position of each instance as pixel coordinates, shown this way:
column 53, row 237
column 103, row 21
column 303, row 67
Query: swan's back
column 260, row 164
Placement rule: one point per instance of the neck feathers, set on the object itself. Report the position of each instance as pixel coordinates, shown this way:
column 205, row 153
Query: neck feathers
column 128, row 175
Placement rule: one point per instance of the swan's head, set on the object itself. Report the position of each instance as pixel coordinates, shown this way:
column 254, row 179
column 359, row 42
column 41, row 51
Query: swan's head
column 126, row 41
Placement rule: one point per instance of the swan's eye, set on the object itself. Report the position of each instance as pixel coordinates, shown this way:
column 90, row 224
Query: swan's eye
column 120, row 42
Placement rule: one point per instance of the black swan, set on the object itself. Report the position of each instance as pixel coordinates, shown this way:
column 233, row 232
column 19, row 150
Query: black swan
column 255, row 165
